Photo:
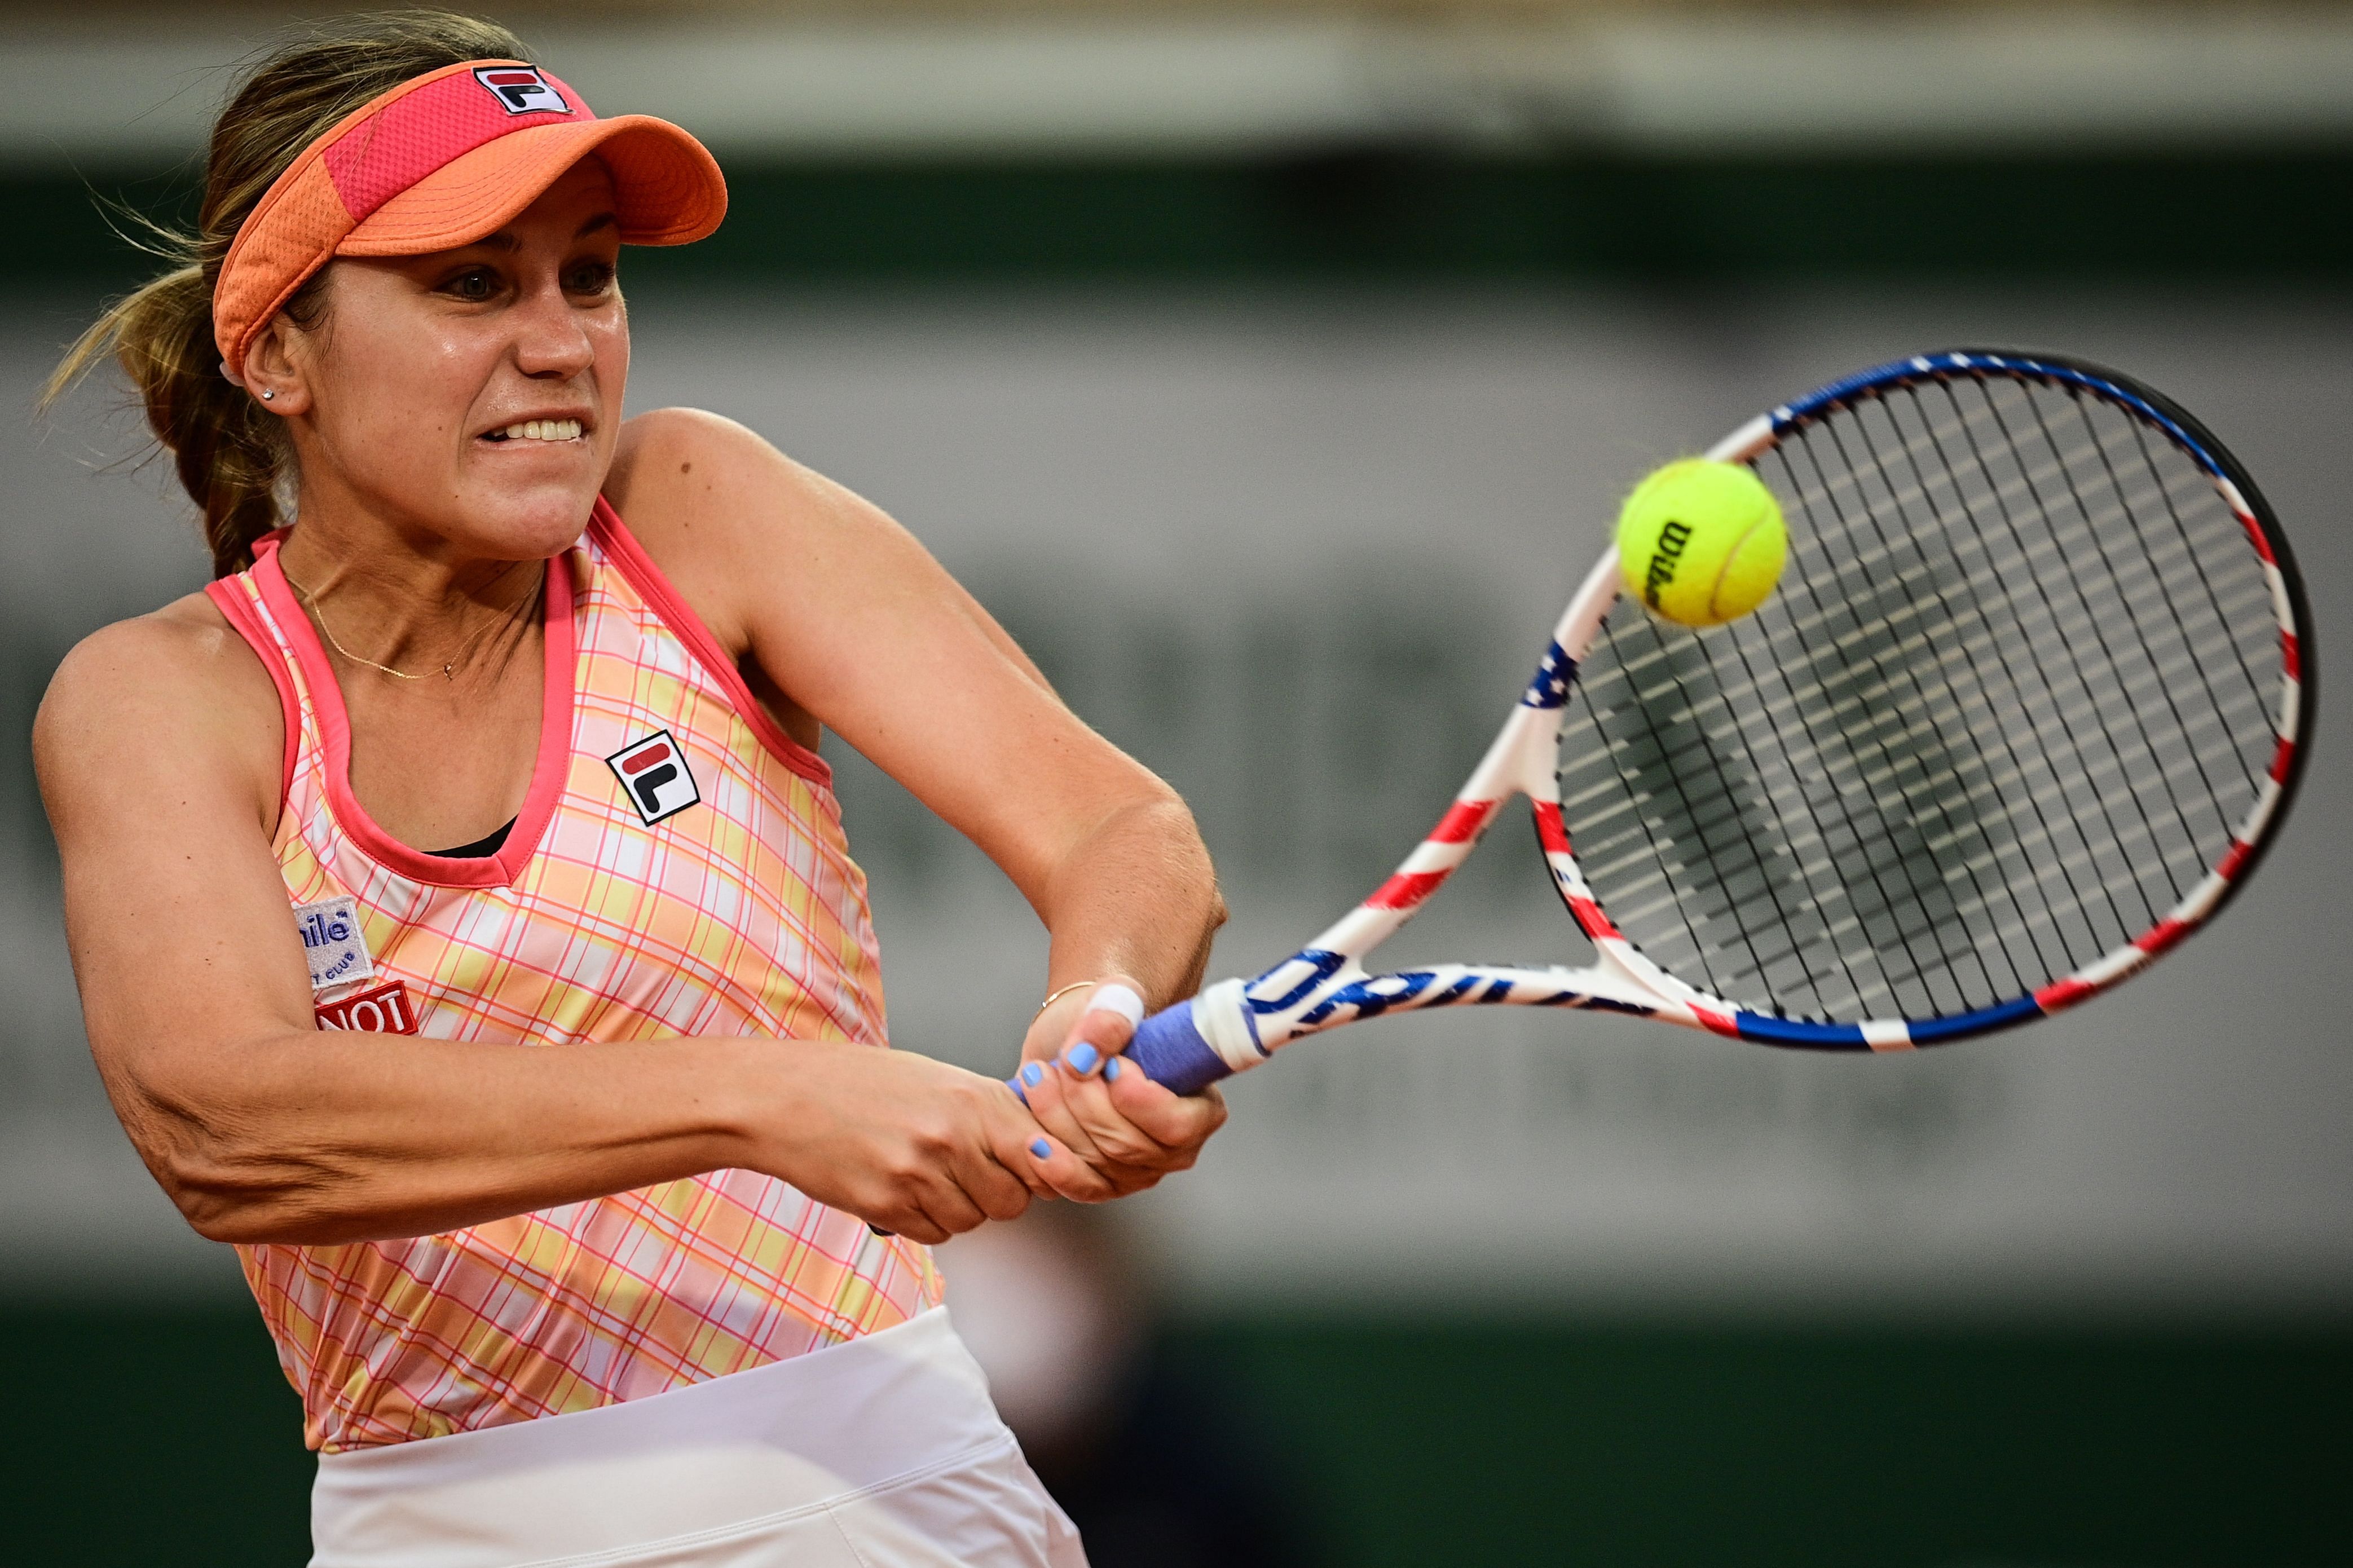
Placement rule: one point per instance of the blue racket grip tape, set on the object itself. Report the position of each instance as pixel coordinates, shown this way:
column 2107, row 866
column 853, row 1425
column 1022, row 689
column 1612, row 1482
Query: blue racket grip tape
column 1171, row 1051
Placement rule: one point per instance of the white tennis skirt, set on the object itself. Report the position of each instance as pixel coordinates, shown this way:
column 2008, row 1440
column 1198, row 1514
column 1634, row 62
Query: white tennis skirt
column 884, row 1452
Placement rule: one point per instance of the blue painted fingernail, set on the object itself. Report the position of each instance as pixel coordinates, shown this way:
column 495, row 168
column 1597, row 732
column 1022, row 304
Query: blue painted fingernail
column 1040, row 1147
column 1033, row 1075
column 1082, row 1058
column 1110, row 1067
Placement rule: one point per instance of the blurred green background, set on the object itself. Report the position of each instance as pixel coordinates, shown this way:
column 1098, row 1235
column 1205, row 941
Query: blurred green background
column 1528, row 1441
column 2079, row 1300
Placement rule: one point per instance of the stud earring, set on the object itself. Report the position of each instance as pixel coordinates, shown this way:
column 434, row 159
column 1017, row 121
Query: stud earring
column 267, row 394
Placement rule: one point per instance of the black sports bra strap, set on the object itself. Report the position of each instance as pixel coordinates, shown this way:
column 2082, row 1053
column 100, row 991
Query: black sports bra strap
column 480, row 848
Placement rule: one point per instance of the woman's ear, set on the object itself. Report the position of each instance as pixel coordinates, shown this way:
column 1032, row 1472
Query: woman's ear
column 277, row 366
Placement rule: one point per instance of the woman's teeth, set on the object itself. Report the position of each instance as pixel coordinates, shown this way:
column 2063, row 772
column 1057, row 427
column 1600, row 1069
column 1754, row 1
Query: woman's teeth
column 540, row 430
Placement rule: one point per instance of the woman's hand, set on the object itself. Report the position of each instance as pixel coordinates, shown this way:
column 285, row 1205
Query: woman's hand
column 1091, row 1100
column 911, row 1144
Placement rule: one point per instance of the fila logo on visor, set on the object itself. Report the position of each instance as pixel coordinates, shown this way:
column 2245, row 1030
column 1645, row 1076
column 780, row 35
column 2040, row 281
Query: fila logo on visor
column 654, row 775
column 521, row 89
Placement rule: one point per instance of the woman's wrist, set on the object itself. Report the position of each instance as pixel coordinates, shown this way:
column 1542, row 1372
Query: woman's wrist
column 1072, row 989
column 1051, row 1030
column 751, row 1092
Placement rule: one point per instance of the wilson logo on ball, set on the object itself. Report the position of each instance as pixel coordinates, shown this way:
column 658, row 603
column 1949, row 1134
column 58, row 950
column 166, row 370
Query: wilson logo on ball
column 655, row 777
column 521, row 90
column 1671, row 539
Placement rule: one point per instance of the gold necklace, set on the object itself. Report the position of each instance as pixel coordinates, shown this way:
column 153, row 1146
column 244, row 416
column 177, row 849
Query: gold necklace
column 449, row 671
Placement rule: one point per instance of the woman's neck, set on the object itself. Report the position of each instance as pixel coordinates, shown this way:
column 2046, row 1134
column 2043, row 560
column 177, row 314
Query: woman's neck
column 406, row 614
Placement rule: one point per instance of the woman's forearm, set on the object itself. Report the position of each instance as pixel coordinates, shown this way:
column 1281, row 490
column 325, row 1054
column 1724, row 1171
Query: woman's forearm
column 1137, row 896
column 324, row 1137
column 1135, row 900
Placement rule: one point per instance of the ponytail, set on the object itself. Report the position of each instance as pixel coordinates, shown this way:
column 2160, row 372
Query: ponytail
column 233, row 456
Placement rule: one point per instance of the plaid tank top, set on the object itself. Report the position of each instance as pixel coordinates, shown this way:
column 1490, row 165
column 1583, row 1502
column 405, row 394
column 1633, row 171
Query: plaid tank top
column 678, row 868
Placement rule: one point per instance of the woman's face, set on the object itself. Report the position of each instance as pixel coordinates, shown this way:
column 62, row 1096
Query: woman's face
column 470, row 396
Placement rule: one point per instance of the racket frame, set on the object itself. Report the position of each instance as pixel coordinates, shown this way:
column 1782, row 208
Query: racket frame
column 1237, row 1024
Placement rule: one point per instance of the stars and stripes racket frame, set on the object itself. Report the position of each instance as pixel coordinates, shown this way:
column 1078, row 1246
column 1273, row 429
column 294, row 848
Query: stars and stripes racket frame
column 2028, row 705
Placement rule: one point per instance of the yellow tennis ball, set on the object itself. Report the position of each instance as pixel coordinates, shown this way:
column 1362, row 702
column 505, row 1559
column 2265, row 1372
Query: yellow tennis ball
column 1701, row 543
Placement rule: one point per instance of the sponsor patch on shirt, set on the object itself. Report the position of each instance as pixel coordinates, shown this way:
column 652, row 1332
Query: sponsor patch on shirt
column 381, row 1010
column 332, row 941
column 654, row 775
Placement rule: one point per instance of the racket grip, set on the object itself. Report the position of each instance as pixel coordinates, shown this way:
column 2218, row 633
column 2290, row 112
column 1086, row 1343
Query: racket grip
column 1168, row 1047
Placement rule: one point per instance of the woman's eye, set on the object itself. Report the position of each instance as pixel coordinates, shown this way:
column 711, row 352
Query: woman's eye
column 589, row 277
column 477, row 284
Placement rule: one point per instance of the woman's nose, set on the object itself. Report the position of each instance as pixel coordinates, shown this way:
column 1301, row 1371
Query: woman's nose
column 550, row 338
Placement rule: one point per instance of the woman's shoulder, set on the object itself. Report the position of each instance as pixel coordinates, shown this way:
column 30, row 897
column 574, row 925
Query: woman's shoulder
column 714, row 503
column 185, row 651
column 179, row 682
column 681, row 468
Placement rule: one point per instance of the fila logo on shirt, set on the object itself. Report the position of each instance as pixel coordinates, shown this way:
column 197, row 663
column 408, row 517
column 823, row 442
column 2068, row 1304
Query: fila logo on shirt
column 521, row 90
column 654, row 775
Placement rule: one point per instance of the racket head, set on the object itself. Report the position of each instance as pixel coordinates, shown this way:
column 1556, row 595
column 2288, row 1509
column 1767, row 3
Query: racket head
column 2027, row 706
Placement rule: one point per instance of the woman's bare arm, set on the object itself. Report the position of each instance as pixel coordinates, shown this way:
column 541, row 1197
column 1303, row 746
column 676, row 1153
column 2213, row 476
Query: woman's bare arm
column 158, row 753
column 843, row 610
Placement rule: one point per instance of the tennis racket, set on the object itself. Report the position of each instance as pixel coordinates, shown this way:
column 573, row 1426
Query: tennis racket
column 2025, row 710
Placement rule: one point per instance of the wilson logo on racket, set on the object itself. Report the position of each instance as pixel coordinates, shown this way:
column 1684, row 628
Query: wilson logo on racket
column 655, row 777
column 521, row 90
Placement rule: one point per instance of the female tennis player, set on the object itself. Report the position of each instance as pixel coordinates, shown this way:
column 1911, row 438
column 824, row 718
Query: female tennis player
column 502, row 734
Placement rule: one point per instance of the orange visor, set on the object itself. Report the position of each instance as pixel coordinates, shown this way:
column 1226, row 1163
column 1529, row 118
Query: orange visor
column 441, row 161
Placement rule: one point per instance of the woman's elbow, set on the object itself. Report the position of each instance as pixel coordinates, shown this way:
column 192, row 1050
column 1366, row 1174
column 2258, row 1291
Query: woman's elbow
column 1189, row 854
column 223, row 1196
column 231, row 1224
column 1204, row 872
column 216, row 1173
column 228, row 1199
column 1215, row 916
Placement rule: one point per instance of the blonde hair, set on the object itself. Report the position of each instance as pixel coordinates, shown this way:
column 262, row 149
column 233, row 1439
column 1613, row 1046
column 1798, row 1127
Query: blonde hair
column 233, row 457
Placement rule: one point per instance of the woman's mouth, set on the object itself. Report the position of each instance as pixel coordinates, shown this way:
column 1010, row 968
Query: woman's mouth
column 538, row 430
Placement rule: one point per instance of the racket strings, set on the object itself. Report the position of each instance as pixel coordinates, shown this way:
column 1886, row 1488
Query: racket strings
column 2031, row 923
column 2135, row 600
column 2164, row 598
column 2030, row 484
column 2118, row 742
column 2130, row 602
column 1911, row 450
column 1602, row 855
column 1734, row 840
column 2008, row 704
column 1893, row 659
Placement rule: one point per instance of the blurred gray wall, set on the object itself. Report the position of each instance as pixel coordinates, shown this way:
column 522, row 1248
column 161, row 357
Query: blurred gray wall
column 1296, row 550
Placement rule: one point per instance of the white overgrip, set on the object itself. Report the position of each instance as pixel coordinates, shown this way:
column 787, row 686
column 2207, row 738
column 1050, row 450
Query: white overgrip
column 1221, row 1015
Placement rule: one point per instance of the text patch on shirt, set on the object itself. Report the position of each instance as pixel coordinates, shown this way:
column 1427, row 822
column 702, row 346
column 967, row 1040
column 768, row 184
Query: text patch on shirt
column 333, row 943
column 381, row 1010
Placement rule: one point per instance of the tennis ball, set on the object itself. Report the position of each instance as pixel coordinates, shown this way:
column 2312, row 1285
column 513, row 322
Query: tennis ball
column 1701, row 543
